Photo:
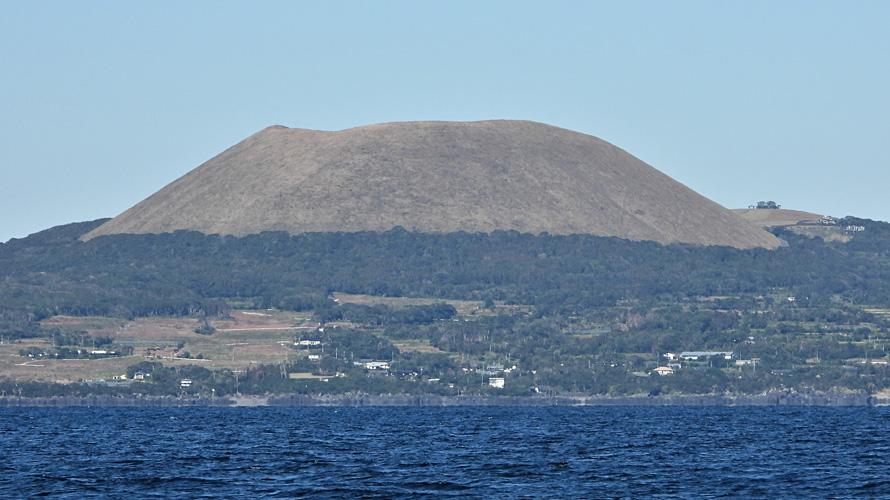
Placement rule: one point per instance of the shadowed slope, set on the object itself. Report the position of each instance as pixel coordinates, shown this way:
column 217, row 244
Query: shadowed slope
column 435, row 177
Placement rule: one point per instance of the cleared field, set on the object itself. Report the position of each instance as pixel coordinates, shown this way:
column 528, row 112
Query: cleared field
column 880, row 312
column 249, row 337
column 805, row 223
column 59, row 370
column 305, row 376
column 777, row 217
column 467, row 308
column 420, row 345
column 462, row 306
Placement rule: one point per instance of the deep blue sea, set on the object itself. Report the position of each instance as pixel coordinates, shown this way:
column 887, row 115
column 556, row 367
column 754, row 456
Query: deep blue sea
column 462, row 452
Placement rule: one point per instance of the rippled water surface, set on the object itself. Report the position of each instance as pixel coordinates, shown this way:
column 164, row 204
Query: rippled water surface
column 477, row 452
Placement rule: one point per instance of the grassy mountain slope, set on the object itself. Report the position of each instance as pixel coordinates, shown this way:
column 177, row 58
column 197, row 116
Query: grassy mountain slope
column 435, row 177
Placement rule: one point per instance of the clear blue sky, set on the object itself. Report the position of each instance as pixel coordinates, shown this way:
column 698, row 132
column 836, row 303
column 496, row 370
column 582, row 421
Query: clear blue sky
column 104, row 103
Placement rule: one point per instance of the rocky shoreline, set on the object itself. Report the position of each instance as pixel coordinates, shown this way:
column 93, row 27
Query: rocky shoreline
column 777, row 398
column 780, row 398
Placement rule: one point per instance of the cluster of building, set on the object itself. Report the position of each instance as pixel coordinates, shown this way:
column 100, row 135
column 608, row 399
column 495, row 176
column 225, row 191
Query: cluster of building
column 674, row 360
column 496, row 372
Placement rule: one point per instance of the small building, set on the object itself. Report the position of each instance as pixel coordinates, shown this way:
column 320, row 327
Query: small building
column 186, row 382
column 377, row 365
column 314, row 357
column 141, row 375
column 497, row 382
column 697, row 355
column 663, row 370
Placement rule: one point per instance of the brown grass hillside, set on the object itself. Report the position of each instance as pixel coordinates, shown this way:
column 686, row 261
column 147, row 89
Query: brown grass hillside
column 435, row 177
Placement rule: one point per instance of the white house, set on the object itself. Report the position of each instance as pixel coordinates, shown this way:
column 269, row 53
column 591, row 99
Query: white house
column 696, row 355
column 377, row 365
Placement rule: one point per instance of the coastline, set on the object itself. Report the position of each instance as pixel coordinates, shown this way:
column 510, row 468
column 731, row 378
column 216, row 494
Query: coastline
column 777, row 398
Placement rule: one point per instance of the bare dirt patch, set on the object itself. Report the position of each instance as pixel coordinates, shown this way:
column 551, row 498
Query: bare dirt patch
column 463, row 307
column 372, row 300
column 306, row 375
column 264, row 320
column 880, row 312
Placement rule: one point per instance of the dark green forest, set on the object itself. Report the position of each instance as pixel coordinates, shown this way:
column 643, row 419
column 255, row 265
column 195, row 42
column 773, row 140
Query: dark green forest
column 592, row 314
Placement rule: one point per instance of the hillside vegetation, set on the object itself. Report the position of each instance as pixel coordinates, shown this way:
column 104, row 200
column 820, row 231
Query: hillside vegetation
column 446, row 313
